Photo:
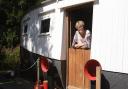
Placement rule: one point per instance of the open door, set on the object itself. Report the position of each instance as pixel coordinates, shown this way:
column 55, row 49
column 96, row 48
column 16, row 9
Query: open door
column 77, row 57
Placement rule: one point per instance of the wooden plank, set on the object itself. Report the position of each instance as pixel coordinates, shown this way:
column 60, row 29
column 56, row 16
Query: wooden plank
column 83, row 63
column 73, row 87
column 71, row 67
column 87, row 81
column 79, row 68
column 83, row 58
column 98, row 77
column 74, row 67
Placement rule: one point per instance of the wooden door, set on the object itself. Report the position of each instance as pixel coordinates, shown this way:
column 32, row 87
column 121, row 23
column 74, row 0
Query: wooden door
column 76, row 62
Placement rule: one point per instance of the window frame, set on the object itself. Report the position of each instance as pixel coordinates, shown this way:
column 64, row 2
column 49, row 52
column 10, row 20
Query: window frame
column 25, row 28
column 43, row 16
column 25, row 23
column 45, row 33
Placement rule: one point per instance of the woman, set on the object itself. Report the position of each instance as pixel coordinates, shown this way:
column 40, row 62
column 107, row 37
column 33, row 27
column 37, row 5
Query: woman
column 82, row 37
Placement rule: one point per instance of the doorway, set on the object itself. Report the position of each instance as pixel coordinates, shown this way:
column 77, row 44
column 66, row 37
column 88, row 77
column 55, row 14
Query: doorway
column 77, row 57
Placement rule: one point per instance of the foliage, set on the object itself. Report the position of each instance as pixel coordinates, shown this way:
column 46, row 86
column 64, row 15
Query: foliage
column 10, row 37
column 11, row 13
column 10, row 58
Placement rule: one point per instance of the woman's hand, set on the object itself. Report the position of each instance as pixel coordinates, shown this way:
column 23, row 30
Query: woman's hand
column 79, row 45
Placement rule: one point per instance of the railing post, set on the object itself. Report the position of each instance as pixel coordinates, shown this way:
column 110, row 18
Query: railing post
column 98, row 77
column 38, row 73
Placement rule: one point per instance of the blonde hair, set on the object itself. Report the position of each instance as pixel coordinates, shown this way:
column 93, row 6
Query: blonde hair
column 79, row 23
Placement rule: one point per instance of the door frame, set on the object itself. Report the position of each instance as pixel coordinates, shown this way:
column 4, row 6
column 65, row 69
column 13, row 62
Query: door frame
column 67, row 28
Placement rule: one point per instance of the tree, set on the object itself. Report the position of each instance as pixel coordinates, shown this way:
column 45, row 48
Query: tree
column 11, row 13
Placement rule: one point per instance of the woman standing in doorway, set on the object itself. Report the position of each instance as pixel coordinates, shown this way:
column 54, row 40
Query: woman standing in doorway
column 82, row 37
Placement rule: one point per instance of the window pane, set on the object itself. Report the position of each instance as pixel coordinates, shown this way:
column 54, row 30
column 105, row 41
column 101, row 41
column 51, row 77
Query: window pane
column 25, row 28
column 45, row 24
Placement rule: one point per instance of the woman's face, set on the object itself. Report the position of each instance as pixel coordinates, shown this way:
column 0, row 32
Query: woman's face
column 81, row 29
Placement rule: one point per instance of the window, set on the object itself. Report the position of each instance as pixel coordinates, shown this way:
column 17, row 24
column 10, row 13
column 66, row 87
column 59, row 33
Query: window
column 25, row 28
column 25, row 25
column 45, row 24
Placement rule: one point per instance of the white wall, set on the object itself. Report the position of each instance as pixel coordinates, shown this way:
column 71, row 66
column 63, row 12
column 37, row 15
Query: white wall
column 110, row 35
column 50, row 45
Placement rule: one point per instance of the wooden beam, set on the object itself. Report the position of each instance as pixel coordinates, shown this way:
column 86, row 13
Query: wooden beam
column 98, row 77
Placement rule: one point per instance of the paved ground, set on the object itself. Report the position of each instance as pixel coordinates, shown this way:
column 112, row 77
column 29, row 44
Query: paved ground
column 9, row 82
column 15, row 83
column 24, row 80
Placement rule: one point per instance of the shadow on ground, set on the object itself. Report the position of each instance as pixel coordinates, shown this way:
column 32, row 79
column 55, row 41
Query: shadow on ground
column 14, row 82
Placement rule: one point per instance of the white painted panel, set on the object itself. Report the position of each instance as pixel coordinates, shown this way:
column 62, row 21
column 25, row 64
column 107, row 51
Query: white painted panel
column 56, row 39
column 125, row 44
column 109, row 35
column 46, row 45
column 69, row 3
